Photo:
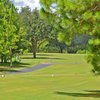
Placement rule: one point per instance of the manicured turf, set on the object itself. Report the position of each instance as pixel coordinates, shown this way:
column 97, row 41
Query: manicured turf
column 69, row 78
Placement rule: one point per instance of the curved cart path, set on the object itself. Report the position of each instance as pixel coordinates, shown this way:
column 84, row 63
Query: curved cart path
column 37, row 67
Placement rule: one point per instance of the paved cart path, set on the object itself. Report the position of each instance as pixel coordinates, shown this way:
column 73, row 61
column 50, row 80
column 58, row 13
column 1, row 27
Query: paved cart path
column 37, row 67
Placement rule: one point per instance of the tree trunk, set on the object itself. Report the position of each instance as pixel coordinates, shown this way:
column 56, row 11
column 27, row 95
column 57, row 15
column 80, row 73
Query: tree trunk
column 34, row 54
column 10, row 57
column 11, row 62
column 2, row 58
column 5, row 59
column 34, row 46
column 61, row 50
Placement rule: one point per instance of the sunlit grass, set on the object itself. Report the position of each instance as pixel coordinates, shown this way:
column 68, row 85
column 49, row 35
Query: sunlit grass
column 68, row 78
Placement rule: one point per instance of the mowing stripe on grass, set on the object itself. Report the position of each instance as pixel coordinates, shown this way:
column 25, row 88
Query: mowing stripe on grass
column 59, row 75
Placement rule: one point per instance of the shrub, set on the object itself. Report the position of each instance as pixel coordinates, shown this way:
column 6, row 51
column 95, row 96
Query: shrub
column 81, row 52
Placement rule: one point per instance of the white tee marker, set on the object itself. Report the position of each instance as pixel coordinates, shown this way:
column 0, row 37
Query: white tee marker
column 2, row 75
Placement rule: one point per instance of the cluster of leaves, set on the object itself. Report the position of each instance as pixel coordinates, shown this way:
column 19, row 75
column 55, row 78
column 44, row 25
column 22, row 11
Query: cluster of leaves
column 77, row 16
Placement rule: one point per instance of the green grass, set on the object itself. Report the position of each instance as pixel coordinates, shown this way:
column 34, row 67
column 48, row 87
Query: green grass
column 69, row 78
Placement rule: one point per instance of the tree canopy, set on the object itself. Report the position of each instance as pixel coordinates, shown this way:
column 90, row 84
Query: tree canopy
column 10, row 30
column 38, row 30
column 76, row 17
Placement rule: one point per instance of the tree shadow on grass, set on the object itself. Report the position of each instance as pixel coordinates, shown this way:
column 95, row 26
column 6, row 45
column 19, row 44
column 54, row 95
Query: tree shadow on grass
column 41, row 54
column 15, row 65
column 49, row 58
column 8, row 70
column 18, row 65
column 89, row 93
column 35, row 58
column 5, row 67
column 39, row 57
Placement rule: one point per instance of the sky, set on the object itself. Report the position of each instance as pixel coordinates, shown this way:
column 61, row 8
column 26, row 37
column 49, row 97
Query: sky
column 22, row 3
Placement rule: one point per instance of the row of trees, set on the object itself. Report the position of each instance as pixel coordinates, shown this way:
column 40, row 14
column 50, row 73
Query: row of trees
column 21, row 31
column 76, row 16
column 10, row 31
column 43, row 36
column 29, row 30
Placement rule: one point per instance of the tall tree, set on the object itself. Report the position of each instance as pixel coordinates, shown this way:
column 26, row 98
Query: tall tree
column 9, row 30
column 77, row 16
column 38, row 30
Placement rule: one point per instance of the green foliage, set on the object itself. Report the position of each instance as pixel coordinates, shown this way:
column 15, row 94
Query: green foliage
column 7, row 29
column 81, row 52
column 10, row 31
column 77, row 16
column 49, row 49
column 38, row 30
